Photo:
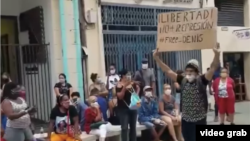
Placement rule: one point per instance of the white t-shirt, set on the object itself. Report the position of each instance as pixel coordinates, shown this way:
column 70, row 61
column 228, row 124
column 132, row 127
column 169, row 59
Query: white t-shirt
column 113, row 79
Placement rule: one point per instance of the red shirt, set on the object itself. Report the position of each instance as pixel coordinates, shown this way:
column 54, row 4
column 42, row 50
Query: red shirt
column 89, row 118
column 230, row 87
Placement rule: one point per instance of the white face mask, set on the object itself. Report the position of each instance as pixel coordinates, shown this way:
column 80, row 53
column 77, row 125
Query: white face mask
column 112, row 71
column 98, row 80
column 167, row 92
column 190, row 78
column 144, row 66
column 148, row 94
column 95, row 104
column 62, row 80
column 128, row 77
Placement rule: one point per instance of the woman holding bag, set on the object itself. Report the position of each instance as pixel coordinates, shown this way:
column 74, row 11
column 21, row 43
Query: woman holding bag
column 125, row 90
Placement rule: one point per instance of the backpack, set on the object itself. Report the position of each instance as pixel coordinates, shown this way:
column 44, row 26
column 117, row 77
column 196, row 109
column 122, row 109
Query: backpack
column 202, row 89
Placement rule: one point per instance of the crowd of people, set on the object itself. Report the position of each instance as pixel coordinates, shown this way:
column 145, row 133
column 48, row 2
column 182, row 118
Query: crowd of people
column 108, row 104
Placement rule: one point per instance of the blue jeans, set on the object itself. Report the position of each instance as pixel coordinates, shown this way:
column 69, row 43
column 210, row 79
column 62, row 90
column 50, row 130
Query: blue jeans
column 128, row 118
column 4, row 121
column 189, row 129
column 151, row 125
column 110, row 95
column 148, row 124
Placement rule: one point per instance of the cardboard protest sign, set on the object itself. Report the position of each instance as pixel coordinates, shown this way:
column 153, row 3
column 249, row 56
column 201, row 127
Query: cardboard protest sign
column 187, row 30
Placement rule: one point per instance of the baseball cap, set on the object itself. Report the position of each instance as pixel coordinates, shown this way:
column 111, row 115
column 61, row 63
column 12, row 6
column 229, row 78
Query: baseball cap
column 147, row 88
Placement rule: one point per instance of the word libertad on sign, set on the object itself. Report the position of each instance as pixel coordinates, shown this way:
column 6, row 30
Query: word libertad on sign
column 187, row 27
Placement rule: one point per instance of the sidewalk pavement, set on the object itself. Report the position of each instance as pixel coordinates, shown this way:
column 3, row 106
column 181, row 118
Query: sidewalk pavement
column 242, row 114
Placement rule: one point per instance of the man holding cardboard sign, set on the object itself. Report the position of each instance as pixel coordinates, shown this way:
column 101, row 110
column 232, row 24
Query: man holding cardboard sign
column 187, row 30
column 194, row 104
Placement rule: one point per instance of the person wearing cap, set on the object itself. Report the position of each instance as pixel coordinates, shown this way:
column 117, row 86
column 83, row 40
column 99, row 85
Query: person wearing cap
column 194, row 104
column 148, row 113
column 124, row 90
column 145, row 76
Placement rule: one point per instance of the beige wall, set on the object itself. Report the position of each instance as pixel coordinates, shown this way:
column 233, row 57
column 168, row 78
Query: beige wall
column 230, row 43
column 57, row 43
column 194, row 4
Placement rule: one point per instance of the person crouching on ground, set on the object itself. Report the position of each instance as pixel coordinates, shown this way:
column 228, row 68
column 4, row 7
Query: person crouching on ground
column 225, row 96
column 168, row 107
column 94, row 123
column 64, row 121
column 148, row 113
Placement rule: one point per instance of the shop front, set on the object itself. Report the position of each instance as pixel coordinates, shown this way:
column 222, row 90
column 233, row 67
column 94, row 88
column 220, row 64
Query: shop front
column 26, row 50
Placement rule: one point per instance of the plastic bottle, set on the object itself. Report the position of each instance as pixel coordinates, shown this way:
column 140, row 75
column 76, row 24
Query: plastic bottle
column 42, row 136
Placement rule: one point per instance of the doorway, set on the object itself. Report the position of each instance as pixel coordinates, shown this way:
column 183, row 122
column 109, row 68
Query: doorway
column 9, row 39
column 234, row 62
column 5, row 59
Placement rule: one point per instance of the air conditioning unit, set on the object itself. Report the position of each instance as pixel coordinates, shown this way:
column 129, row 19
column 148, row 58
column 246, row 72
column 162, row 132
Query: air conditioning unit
column 91, row 16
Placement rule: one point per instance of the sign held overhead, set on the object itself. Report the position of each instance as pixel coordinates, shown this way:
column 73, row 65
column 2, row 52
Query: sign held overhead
column 187, row 30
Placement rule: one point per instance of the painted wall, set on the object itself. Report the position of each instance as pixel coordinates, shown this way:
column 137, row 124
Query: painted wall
column 8, row 27
column 71, row 48
column 230, row 43
column 194, row 4
column 14, row 8
column 10, row 7
column 94, row 37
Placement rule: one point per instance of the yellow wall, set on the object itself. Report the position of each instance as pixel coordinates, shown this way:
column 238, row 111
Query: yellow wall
column 8, row 27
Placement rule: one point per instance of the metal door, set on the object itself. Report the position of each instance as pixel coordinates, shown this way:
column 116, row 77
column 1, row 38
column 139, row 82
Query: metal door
column 230, row 12
column 34, row 71
column 129, row 34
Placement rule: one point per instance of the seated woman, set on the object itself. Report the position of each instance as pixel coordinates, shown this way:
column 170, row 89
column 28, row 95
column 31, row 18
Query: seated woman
column 63, row 87
column 98, row 89
column 94, row 123
column 64, row 117
column 99, row 85
column 113, row 111
column 148, row 113
column 102, row 103
column 168, row 109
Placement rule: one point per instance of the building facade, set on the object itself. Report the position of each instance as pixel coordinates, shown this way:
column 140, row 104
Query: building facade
column 125, row 32
column 39, row 40
column 43, row 38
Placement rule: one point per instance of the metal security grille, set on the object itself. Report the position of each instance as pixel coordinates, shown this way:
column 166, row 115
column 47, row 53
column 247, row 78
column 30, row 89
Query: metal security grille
column 130, row 34
column 230, row 12
column 33, row 70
